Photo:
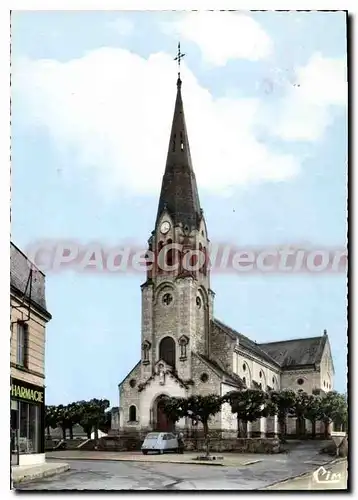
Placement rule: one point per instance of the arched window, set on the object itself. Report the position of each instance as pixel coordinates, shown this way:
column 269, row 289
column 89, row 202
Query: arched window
column 169, row 254
column 205, row 266
column 201, row 258
column 132, row 413
column 193, row 261
column 159, row 257
column 167, row 351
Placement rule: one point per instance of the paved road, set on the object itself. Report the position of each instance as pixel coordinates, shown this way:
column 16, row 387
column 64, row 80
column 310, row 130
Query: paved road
column 111, row 475
column 327, row 478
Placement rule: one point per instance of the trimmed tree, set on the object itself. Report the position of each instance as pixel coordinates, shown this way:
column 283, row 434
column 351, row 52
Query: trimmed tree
column 61, row 419
column 174, row 409
column 92, row 414
column 299, row 409
column 86, row 419
column 201, row 409
column 333, row 408
column 50, row 419
column 282, row 403
column 73, row 416
column 105, row 422
column 248, row 404
column 198, row 408
column 312, row 411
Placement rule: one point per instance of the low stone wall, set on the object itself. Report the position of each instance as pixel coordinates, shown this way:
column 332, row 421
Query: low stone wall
column 121, row 443
column 217, row 444
column 69, row 444
column 237, row 445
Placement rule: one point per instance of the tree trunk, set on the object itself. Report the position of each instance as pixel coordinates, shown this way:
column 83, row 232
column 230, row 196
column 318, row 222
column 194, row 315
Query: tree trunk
column 206, row 438
column 48, row 432
column 301, row 427
column 71, row 432
column 241, row 428
column 313, row 423
column 88, row 434
column 64, row 433
column 282, row 425
column 326, row 425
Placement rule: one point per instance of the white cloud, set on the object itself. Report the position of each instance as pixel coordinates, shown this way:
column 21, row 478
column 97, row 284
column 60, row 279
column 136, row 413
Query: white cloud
column 306, row 110
column 122, row 26
column 222, row 36
column 111, row 111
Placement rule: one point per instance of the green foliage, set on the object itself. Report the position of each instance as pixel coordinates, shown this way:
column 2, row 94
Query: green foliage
column 313, row 408
column 283, row 402
column 333, row 408
column 248, row 404
column 202, row 408
column 198, row 408
column 89, row 414
column 105, row 422
column 174, row 409
column 299, row 409
column 92, row 414
column 50, row 418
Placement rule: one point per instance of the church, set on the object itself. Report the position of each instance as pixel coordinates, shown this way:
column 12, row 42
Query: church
column 185, row 349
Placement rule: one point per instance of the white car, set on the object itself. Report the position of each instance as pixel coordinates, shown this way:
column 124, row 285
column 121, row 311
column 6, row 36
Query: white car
column 160, row 442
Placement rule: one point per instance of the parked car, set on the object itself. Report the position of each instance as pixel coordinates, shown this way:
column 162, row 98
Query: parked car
column 161, row 442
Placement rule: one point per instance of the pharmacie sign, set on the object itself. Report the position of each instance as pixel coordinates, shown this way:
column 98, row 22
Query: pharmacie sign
column 27, row 392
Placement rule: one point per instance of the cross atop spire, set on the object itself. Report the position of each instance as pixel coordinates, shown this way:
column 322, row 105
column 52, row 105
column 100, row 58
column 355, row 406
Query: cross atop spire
column 179, row 193
column 178, row 58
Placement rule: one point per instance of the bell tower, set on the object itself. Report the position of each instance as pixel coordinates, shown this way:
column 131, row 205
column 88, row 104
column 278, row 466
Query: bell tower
column 176, row 296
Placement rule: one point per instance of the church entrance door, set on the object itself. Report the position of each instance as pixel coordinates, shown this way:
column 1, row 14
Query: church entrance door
column 162, row 422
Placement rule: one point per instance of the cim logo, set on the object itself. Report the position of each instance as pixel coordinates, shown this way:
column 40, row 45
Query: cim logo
column 324, row 476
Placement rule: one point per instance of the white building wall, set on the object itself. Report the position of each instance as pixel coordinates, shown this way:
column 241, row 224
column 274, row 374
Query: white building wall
column 152, row 391
column 270, row 376
column 228, row 419
column 32, row 459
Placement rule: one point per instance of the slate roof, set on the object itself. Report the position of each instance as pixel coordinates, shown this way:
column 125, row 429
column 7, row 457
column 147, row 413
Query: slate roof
column 286, row 353
column 179, row 192
column 245, row 342
column 296, row 352
column 20, row 267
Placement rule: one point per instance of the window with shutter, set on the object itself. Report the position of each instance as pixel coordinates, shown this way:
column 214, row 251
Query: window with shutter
column 22, row 344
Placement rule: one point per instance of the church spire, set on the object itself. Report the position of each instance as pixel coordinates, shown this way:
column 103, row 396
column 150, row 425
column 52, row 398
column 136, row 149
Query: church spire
column 179, row 193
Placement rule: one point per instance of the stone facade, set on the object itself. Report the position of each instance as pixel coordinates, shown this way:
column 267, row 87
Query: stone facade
column 184, row 349
column 29, row 317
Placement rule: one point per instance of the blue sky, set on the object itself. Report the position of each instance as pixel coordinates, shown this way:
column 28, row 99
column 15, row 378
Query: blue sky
column 265, row 101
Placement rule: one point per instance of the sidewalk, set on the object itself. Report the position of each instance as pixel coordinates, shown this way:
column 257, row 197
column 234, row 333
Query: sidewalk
column 229, row 459
column 21, row 474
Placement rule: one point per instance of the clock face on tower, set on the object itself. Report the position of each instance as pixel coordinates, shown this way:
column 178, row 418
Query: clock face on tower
column 164, row 228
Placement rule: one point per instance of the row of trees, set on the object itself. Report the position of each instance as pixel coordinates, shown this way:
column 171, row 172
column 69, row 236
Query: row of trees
column 252, row 404
column 91, row 415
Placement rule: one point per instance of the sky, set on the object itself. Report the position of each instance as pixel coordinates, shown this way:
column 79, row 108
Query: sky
column 265, row 100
